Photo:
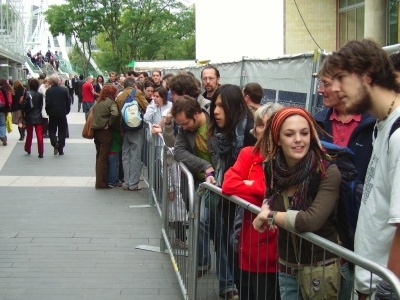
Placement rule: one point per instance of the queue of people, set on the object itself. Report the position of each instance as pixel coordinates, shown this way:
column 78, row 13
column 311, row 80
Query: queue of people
column 268, row 155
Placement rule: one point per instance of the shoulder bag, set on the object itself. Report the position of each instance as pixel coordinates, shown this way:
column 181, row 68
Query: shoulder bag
column 317, row 281
column 88, row 132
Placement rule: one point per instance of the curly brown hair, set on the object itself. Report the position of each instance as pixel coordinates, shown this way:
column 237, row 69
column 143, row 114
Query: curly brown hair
column 108, row 91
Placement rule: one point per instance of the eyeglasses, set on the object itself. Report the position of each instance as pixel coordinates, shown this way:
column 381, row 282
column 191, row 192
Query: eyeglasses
column 186, row 124
column 325, row 84
column 208, row 79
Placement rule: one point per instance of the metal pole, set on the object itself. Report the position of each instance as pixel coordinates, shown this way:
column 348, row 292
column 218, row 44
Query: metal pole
column 150, row 170
column 242, row 73
column 165, row 219
column 312, row 99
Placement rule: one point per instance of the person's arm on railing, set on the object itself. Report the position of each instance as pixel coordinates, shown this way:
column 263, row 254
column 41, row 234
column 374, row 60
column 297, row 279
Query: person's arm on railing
column 315, row 216
column 236, row 179
column 168, row 132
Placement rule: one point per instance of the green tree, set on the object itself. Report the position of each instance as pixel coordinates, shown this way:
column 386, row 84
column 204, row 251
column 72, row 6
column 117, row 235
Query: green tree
column 127, row 30
column 79, row 19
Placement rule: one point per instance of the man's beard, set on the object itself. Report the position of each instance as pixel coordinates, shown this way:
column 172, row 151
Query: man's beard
column 363, row 102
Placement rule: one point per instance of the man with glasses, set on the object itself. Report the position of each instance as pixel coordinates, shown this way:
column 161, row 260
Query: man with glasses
column 210, row 78
column 350, row 130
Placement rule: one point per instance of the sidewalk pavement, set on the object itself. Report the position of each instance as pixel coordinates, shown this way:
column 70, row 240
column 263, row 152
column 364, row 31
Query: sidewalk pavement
column 62, row 239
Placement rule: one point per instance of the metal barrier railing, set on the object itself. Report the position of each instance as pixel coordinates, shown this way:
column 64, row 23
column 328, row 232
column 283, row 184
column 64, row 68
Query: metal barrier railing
column 200, row 241
column 243, row 280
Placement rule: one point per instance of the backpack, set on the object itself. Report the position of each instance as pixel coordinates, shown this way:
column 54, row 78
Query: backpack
column 345, row 215
column 132, row 118
column 236, row 229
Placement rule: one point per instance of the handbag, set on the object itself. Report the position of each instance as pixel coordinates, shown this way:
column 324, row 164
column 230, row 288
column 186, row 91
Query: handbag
column 27, row 104
column 316, row 281
column 21, row 99
column 88, row 132
column 9, row 123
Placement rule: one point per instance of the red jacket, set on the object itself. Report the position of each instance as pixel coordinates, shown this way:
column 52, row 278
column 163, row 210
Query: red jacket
column 257, row 251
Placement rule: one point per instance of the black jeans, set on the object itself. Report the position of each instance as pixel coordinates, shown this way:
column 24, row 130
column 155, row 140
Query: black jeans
column 57, row 123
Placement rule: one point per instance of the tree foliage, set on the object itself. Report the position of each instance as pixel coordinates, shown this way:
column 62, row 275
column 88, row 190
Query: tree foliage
column 79, row 19
column 127, row 30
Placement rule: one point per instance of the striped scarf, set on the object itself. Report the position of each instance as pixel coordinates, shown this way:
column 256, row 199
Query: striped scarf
column 282, row 178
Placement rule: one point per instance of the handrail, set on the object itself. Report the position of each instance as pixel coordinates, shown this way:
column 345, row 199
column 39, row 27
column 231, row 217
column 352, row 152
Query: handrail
column 342, row 252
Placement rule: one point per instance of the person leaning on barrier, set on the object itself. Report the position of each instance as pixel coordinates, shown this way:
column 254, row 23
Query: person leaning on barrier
column 294, row 155
column 199, row 155
column 366, row 81
column 245, row 179
column 179, row 85
column 230, row 122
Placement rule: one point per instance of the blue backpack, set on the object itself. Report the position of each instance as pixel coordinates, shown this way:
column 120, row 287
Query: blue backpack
column 132, row 118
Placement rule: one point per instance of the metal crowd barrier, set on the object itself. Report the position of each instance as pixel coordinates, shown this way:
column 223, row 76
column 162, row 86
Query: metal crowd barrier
column 204, row 252
column 152, row 166
column 248, row 283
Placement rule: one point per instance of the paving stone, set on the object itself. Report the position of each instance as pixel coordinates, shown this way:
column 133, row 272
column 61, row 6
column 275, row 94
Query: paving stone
column 62, row 239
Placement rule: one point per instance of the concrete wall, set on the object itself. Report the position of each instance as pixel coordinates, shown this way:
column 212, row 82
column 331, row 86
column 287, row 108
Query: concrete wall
column 320, row 17
column 227, row 30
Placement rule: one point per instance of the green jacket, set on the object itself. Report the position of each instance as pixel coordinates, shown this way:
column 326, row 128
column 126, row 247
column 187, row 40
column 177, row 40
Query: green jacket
column 105, row 112
column 116, row 145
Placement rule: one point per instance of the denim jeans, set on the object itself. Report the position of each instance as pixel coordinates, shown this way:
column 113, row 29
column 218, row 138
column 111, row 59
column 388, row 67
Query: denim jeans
column 204, row 255
column 86, row 107
column 288, row 285
column 346, row 284
column 225, row 259
column 3, row 131
column 113, row 168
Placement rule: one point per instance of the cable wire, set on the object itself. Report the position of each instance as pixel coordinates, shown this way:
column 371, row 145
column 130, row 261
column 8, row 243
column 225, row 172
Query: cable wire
column 306, row 25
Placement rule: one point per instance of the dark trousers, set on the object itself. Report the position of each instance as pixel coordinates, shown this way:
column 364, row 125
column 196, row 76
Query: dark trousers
column 57, row 123
column 45, row 123
column 79, row 103
column 71, row 95
column 103, row 142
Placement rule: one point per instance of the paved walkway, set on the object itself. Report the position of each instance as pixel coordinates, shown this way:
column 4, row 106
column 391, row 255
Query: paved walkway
column 62, row 239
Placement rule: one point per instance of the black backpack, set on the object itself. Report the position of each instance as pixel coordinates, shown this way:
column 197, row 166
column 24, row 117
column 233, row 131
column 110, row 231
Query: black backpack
column 345, row 215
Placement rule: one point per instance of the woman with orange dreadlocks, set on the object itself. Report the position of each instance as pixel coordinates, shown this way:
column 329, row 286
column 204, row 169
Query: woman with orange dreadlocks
column 295, row 161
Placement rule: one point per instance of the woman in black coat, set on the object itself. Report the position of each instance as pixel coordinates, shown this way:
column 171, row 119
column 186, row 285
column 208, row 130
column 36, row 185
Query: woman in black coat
column 19, row 91
column 33, row 117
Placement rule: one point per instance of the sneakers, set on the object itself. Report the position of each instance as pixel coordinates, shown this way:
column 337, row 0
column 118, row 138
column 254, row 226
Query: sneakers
column 230, row 295
column 4, row 140
column 201, row 272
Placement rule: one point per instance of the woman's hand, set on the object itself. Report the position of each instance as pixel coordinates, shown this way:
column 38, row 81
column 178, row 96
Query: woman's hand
column 260, row 222
column 211, row 179
column 248, row 182
column 106, row 127
column 156, row 129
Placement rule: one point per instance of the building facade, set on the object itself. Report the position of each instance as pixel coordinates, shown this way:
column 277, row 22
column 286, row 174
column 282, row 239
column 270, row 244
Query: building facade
column 329, row 24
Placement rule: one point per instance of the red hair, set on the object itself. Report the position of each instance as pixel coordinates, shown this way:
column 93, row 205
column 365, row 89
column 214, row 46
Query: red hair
column 108, row 91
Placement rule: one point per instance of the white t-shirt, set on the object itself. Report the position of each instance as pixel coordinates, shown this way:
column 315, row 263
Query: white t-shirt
column 380, row 204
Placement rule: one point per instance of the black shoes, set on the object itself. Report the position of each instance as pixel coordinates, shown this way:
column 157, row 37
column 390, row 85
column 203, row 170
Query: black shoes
column 56, row 149
column 27, row 151
column 40, row 155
